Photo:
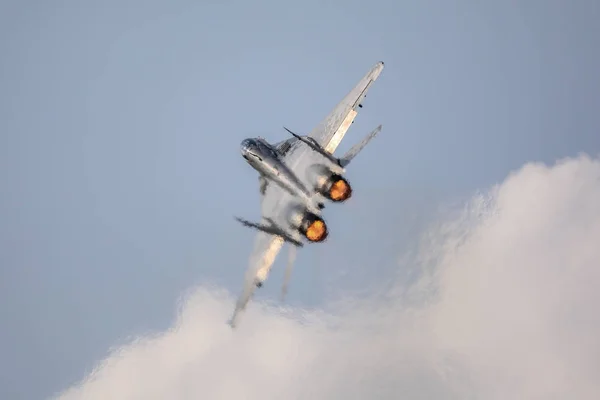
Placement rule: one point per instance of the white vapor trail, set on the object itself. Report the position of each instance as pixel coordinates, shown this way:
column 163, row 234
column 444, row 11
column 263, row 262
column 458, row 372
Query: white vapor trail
column 288, row 271
column 506, row 308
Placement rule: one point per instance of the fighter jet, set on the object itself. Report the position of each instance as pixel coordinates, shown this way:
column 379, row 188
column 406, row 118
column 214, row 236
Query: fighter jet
column 296, row 175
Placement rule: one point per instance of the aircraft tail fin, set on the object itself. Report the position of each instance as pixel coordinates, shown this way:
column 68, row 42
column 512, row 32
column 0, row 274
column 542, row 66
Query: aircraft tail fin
column 357, row 148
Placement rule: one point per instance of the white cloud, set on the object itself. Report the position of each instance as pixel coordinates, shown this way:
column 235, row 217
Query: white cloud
column 508, row 310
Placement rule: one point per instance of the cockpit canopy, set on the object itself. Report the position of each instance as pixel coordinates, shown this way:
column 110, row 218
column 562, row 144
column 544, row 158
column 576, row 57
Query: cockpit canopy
column 259, row 147
column 247, row 145
column 265, row 148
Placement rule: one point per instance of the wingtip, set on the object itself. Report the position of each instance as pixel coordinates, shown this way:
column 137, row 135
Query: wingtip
column 377, row 69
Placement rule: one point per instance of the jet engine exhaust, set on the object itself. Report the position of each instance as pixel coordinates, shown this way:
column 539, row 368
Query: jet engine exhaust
column 329, row 184
column 313, row 228
column 340, row 189
column 335, row 188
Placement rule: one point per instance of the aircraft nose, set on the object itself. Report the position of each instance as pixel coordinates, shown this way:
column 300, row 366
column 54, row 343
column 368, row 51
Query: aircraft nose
column 245, row 146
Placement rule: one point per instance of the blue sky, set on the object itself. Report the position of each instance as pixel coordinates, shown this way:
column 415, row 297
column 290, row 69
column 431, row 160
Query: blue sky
column 120, row 125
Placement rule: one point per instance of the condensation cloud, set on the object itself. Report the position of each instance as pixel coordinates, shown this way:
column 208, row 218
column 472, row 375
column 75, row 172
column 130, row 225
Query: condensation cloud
column 505, row 308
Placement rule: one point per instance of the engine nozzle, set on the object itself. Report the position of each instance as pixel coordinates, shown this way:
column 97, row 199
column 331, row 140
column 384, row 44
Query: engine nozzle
column 314, row 228
column 340, row 189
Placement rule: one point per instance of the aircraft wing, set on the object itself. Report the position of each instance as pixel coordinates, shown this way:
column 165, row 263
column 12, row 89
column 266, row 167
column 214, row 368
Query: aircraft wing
column 266, row 248
column 329, row 134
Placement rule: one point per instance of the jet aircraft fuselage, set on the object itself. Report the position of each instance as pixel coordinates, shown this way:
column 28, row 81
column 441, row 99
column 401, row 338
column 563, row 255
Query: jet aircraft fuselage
column 261, row 155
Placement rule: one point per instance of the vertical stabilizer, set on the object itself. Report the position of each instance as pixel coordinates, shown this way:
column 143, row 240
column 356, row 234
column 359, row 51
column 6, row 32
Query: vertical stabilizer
column 357, row 148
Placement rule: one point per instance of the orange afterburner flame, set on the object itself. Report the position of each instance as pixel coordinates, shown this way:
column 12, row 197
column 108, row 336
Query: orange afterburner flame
column 340, row 190
column 317, row 231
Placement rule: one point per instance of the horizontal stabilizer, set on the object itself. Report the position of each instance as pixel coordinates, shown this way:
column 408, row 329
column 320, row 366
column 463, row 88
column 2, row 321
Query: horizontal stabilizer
column 345, row 160
column 271, row 229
